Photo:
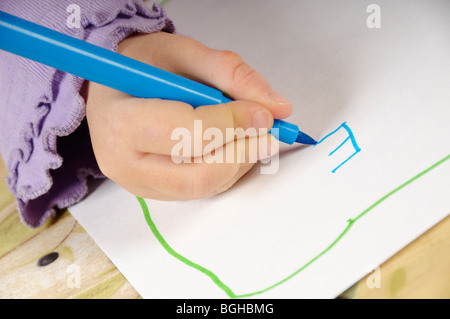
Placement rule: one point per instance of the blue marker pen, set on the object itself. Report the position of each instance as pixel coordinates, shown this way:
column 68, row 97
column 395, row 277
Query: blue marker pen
column 114, row 70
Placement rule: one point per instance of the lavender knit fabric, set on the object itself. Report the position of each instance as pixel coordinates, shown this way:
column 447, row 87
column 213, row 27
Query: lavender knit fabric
column 44, row 138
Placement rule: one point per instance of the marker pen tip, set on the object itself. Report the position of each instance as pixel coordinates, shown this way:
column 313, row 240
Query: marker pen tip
column 305, row 139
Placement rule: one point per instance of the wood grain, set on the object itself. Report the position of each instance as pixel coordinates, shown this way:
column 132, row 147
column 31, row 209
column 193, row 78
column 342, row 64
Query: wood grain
column 82, row 270
column 421, row 270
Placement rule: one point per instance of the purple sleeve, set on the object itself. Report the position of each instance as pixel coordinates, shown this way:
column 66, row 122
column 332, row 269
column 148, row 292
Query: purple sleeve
column 44, row 137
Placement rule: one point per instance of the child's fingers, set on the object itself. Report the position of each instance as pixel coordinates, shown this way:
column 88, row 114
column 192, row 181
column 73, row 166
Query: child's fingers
column 225, row 70
column 160, row 177
column 154, row 192
column 243, row 169
column 158, row 126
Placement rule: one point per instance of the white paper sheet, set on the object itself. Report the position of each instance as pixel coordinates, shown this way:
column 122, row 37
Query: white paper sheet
column 391, row 86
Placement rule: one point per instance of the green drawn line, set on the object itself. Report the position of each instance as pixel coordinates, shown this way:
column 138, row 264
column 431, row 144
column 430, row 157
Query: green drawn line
column 170, row 250
column 227, row 289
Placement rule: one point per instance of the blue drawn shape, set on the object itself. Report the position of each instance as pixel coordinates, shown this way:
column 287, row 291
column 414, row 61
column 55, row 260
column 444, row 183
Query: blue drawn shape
column 350, row 137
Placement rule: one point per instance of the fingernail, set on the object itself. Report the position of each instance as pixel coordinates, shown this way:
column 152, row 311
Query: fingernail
column 261, row 119
column 278, row 98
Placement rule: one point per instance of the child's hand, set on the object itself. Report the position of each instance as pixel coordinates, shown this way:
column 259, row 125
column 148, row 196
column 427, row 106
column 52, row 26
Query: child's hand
column 131, row 137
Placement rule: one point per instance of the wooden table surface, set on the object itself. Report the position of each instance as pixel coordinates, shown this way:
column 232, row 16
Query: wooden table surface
column 28, row 268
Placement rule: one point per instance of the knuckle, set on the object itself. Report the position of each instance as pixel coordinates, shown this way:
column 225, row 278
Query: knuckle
column 229, row 57
column 239, row 70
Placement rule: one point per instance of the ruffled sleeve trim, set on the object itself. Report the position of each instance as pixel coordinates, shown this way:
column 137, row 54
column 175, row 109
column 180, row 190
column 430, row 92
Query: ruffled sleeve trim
column 61, row 109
